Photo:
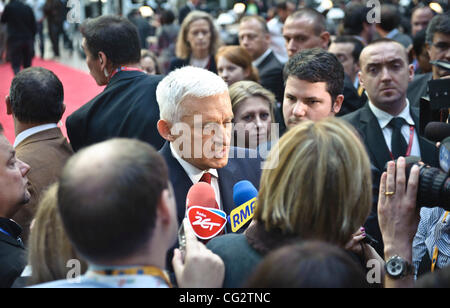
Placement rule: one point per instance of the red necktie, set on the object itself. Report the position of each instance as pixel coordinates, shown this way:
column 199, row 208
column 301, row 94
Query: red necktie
column 206, row 177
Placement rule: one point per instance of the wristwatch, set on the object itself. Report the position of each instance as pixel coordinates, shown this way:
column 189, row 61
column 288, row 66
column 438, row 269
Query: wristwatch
column 397, row 267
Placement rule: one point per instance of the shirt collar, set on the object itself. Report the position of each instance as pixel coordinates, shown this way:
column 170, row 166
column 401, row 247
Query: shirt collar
column 384, row 118
column 391, row 34
column 32, row 131
column 194, row 173
column 262, row 57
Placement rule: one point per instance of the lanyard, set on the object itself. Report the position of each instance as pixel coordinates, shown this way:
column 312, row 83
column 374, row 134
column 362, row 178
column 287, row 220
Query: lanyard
column 124, row 68
column 436, row 249
column 411, row 138
column 146, row 270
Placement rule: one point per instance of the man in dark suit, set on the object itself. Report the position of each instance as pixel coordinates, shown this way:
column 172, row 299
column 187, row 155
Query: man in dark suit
column 21, row 31
column 196, row 117
column 254, row 36
column 36, row 104
column 127, row 107
column 385, row 80
column 306, row 29
column 388, row 125
column 13, row 195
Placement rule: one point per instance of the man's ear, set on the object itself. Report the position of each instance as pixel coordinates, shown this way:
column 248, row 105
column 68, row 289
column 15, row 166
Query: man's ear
column 410, row 72
column 360, row 78
column 164, row 127
column 8, row 105
column 325, row 36
column 163, row 207
column 103, row 59
column 338, row 103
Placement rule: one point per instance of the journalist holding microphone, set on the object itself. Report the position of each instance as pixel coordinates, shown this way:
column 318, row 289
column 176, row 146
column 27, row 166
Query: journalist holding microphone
column 331, row 205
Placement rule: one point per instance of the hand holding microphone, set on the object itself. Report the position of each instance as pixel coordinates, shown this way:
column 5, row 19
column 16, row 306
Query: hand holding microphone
column 201, row 268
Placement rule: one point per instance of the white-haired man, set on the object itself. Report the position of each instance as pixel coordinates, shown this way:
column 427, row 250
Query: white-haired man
column 196, row 122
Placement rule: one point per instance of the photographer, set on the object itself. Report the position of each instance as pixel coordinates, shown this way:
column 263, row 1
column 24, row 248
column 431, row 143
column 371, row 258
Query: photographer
column 438, row 48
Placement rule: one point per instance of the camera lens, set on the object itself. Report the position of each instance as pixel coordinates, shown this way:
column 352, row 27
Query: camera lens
column 434, row 188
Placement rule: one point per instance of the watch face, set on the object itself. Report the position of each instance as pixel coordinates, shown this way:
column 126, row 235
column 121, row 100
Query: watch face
column 395, row 267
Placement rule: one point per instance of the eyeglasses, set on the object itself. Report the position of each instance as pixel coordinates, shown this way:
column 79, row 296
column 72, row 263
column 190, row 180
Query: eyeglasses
column 442, row 46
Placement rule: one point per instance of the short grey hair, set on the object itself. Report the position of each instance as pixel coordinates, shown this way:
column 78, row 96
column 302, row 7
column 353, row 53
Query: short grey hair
column 186, row 81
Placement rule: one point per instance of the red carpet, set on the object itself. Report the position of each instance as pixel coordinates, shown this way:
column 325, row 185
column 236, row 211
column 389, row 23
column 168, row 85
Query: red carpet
column 79, row 88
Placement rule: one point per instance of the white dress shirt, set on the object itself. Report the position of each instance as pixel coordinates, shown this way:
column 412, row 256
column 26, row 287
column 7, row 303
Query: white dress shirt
column 195, row 174
column 383, row 120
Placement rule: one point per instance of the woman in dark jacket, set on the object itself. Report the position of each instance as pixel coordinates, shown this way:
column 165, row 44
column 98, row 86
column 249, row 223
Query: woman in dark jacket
column 197, row 43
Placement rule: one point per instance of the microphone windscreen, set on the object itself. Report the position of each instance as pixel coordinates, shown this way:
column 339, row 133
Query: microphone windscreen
column 243, row 191
column 201, row 194
column 437, row 131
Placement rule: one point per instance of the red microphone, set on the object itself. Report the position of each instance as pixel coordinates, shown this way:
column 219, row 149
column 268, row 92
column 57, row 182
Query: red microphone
column 201, row 194
column 203, row 213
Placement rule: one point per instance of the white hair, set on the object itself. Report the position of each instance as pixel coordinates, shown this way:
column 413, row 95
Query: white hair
column 182, row 82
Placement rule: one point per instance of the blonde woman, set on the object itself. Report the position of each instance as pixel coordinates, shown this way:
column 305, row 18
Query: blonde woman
column 253, row 113
column 310, row 191
column 197, row 42
column 49, row 248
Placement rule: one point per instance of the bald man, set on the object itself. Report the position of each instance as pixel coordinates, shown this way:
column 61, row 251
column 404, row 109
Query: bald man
column 387, row 123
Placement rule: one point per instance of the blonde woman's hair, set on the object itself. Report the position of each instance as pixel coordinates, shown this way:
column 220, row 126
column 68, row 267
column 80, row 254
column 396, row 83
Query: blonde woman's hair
column 49, row 247
column 182, row 49
column 240, row 57
column 241, row 90
column 320, row 187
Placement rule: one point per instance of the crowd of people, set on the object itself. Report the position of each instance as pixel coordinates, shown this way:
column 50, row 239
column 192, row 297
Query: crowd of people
column 318, row 117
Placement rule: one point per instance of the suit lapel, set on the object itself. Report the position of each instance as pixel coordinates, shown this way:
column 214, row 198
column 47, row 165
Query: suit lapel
column 266, row 61
column 374, row 139
column 179, row 179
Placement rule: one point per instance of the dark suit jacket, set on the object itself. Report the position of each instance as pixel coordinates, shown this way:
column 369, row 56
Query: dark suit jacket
column 367, row 125
column 270, row 72
column 20, row 20
column 179, row 63
column 46, row 152
column 126, row 108
column 417, row 88
column 236, row 170
column 12, row 253
column 352, row 101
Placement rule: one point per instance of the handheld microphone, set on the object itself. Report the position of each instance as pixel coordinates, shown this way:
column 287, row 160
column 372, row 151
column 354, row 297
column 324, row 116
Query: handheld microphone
column 244, row 197
column 437, row 131
column 202, row 211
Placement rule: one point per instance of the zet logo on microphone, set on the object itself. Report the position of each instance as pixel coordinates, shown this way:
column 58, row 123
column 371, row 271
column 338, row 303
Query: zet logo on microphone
column 206, row 222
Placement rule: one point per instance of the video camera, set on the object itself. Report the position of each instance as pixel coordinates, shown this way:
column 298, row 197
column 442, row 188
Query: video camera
column 435, row 107
column 434, row 183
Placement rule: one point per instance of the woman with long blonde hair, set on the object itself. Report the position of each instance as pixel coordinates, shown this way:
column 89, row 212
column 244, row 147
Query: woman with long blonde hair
column 308, row 191
column 197, row 42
